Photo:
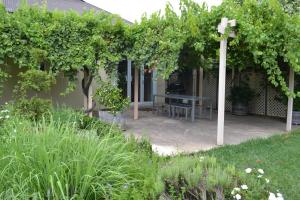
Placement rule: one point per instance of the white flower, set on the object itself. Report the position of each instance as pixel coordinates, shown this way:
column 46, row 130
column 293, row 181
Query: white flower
column 267, row 180
column 244, row 187
column 279, row 194
column 272, row 196
column 238, row 196
column 248, row 170
column 7, row 116
column 261, row 171
column 279, row 198
column 15, row 130
column 259, row 176
column 202, row 158
column 235, row 190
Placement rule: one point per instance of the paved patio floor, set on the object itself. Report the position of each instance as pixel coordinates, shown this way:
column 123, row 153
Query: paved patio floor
column 170, row 136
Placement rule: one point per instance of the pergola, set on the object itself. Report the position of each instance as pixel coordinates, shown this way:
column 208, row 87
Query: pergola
column 222, row 82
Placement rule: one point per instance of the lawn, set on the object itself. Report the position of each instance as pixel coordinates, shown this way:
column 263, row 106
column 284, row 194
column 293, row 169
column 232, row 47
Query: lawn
column 278, row 156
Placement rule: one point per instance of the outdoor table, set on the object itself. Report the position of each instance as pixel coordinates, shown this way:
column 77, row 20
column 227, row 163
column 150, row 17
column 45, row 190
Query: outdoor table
column 193, row 99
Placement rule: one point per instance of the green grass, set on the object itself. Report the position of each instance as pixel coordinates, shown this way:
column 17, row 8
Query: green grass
column 279, row 156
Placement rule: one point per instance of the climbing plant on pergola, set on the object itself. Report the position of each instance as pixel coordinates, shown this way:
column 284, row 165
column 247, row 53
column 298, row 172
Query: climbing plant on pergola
column 68, row 42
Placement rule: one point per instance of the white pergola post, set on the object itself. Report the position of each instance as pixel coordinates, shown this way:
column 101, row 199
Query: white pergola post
column 290, row 101
column 129, row 78
column 222, row 79
column 142, row 84
column 136, row 94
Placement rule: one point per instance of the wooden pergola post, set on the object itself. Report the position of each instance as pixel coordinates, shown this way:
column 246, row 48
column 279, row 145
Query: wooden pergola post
column 222, row 78
column 290, row 101
column 136, row 94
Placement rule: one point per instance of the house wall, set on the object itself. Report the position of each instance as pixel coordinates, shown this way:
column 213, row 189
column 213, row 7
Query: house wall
column 74, row 99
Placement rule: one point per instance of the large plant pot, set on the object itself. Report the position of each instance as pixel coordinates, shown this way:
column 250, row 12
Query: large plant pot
column 296, row 118
column 240, row 109
column 118, row 119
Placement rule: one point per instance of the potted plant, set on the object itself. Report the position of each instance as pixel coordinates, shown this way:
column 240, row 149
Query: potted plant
column 110, row 97
column 240, row 96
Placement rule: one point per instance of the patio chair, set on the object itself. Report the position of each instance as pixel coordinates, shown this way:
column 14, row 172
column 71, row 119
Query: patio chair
column 181, row 108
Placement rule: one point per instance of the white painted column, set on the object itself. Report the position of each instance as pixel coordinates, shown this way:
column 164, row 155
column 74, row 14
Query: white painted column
column 129, row 78
column 142, row 84
column 290, row 101
column 221, row 97
column 154, row 82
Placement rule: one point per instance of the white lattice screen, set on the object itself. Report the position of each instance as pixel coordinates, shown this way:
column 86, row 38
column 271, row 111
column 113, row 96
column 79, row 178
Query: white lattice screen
column 264, row 102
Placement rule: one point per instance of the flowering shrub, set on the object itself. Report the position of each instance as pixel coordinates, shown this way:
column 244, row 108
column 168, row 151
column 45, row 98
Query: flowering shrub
column 258, row 186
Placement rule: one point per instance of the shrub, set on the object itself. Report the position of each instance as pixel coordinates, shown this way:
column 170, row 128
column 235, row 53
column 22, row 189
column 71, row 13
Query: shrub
column 84, row 122
column 204, row 178
column 33, row 109
column 111, row 98
column 54, row 161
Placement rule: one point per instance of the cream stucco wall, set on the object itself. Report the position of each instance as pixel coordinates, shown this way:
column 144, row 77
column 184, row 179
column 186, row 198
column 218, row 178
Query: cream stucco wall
column 74, row 99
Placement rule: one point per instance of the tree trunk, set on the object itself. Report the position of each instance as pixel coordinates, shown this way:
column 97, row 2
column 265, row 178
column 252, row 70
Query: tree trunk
column 87, row 91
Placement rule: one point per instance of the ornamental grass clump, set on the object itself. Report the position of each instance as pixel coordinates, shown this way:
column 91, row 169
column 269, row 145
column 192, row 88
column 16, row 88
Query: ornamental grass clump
column 47, row 160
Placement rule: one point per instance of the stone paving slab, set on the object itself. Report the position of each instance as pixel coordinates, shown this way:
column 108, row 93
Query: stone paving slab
column 171, row 136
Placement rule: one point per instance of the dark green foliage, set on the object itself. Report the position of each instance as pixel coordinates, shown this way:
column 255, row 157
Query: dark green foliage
column 111, row 98
column 34, row 80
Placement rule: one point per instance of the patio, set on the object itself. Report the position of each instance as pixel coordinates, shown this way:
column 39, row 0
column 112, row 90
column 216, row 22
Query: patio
column 169, row 136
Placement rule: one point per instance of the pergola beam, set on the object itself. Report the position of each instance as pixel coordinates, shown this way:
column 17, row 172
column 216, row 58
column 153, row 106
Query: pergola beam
column 290, row 100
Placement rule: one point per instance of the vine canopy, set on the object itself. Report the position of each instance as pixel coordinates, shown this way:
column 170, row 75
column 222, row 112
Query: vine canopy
column 268, row 38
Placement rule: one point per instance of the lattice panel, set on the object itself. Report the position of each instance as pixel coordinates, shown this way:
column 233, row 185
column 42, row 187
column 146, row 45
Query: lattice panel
column 264, row 102
column 275, row 108
column 210, row 88
column 257, row 83
column 228, row 104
